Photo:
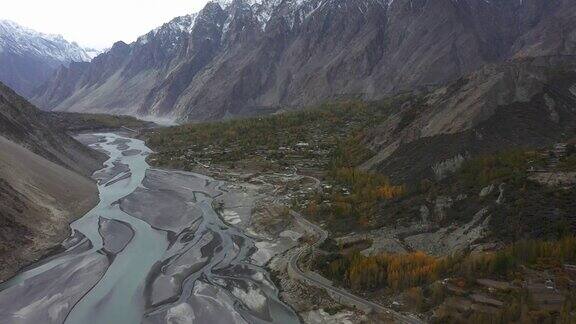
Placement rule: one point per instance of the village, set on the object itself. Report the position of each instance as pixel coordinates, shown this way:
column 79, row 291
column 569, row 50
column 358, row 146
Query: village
column 302, row 173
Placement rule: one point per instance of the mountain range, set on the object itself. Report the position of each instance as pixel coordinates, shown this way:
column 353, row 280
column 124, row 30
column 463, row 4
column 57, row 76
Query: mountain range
column 442, row 126
column 240, row 57
column 28, row 58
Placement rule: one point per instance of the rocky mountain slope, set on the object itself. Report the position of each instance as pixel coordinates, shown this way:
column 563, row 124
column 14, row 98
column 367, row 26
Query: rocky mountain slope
column 249, row 57
column 28, row 58
column 43, row 182
column 31, row 128
column 526, row 103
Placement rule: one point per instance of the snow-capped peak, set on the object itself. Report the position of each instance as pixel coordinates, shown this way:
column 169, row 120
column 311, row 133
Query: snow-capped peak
column 182, row 24
column 21, row 40
column 223, row 3
column 92, row 52
column 263, row 10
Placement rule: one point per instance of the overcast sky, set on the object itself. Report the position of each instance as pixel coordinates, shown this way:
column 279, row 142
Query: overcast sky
column 96, row 23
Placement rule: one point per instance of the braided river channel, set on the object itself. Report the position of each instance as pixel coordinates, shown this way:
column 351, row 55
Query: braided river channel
column 154, row 250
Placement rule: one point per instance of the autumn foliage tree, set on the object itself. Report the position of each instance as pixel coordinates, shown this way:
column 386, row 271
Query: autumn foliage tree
column 396, row 271
column 404, row 270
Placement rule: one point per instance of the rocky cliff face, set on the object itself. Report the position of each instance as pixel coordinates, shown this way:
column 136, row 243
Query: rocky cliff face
column 28, row 58
column 43, row 182
column 248, row 57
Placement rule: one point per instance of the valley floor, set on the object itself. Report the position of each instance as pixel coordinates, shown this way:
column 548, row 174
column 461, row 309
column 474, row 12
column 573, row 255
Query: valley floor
column 160, row 246
column 286, row 241
column 469, row 246
column 275, row 194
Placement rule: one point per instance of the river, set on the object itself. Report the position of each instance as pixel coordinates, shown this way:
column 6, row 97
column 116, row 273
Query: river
column 154, row 250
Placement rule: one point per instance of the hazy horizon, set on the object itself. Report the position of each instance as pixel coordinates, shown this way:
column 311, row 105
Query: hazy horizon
column 97, row 24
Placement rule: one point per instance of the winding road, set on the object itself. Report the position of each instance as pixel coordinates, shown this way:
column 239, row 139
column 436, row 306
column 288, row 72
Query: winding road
column 312, row 280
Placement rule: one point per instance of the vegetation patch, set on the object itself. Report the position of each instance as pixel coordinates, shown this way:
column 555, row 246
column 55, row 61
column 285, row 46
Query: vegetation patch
column 78, row 122
column 309, row 135
column 419, row 277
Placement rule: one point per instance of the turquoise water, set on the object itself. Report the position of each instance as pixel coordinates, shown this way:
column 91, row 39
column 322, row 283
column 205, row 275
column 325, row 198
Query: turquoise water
column 119, row 296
